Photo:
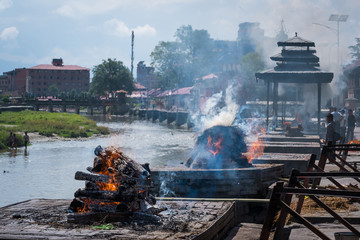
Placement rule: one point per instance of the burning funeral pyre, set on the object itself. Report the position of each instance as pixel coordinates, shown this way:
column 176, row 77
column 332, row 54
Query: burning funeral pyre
column 222, row 147
column 115, row 184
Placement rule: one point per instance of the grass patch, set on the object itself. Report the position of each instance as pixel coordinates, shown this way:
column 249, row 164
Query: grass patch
column 67, row 125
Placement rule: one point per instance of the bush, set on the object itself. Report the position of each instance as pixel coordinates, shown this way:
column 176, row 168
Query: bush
column 103, row 130
column 48, row 124
column 4, row 135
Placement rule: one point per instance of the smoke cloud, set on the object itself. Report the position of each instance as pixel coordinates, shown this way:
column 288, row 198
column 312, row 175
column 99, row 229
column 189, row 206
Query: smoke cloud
column 220, row 109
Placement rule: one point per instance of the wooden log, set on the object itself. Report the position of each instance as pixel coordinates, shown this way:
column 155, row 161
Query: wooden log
column 122, row 180
column 103, row 195
column 79, row 175
column 91, row 186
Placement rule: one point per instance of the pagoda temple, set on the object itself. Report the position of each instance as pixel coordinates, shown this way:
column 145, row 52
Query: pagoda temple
column 297, row 63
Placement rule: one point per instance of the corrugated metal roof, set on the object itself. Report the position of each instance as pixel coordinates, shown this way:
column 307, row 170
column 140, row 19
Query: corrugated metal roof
column 182, row 91
column 210, row 76
column 139, row 86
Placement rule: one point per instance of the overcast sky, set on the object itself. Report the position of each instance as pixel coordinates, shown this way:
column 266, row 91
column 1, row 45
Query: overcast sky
column 83, row 32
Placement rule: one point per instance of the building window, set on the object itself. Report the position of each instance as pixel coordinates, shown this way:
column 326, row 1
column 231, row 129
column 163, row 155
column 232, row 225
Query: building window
column 45, row 83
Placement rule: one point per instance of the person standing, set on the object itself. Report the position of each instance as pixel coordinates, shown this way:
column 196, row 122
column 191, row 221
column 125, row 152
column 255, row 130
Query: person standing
column 26, row 139
column 10, row 140
column 330, row 130
column 351, row 126
column 336, row 118
column 14, row 141
column 342, row 123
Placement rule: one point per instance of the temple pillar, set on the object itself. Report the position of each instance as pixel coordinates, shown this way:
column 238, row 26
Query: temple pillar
column 319, row 106
column 275, row 101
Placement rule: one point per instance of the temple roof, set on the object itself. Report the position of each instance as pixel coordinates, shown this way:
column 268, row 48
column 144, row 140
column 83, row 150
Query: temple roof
column 297, row 42
column 296, row 65
column 295, row 76
column 284, row 57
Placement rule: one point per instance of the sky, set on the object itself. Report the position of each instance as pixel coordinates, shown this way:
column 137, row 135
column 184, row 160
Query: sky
column 84, row 32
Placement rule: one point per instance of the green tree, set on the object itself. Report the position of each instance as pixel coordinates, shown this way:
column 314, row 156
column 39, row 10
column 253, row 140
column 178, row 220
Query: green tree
column 53, row 90
column 355, row 50
column 109, row 76
column 167, row 61
column 5, row 98
column 179, row 62
column 73, row 93
column 250, row 64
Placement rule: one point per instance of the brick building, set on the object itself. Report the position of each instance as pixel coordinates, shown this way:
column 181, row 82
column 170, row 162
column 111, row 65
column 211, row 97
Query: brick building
column 66, row 77
column 13, row 83
column 37, row 80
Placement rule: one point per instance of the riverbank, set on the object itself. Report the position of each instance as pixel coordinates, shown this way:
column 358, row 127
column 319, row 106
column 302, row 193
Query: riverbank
column 53, row 126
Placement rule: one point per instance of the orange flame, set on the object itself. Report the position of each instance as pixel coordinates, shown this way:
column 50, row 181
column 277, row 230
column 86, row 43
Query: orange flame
column 257, row 148
column 86, row 207
column 113, row 184
column 214, row 148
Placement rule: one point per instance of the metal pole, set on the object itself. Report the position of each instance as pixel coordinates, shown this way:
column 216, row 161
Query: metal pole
column 338, row 44
column 267, row 103
column 319, row 107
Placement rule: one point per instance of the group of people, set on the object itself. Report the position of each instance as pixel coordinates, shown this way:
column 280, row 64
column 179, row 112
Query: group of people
column 12, row 140
column 341, row 126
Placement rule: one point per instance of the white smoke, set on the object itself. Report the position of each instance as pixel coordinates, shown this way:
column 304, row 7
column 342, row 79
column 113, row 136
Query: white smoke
column 215, row 114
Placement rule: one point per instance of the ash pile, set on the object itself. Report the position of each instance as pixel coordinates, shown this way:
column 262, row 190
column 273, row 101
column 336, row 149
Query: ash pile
column 115, row 185
column 219, row 147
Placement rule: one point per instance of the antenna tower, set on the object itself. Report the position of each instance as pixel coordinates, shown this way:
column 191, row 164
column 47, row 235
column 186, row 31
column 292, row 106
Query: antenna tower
column 132, row 53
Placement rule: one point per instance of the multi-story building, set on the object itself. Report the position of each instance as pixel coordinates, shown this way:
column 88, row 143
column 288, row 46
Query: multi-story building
column 13, row 83
column 37, row 80
column 64, row 77
column 146, row 76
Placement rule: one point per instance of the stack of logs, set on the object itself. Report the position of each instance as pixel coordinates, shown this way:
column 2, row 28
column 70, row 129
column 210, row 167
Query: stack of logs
column 115, row 183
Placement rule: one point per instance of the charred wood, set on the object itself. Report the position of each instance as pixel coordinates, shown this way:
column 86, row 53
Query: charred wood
column 79, row 175
column 104, row 195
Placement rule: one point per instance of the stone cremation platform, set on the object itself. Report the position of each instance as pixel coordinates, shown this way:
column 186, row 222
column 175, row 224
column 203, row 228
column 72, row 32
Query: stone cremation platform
column 47, row 219
column 292, row 152
column 223, row 183
column 289, row 160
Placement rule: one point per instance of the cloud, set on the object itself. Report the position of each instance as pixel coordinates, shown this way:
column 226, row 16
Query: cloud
column 66, row 11
column 9, row 33
column 145, row 30
column 118, row 28
column 4, row 4
column 79, row 8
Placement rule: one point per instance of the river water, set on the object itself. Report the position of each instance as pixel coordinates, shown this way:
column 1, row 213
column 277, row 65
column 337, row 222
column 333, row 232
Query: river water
column 47, row 168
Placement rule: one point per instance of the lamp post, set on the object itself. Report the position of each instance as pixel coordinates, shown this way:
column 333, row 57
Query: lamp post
column 338, row 18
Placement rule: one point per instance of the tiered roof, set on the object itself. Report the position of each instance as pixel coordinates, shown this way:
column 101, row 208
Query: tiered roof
column 296, row 63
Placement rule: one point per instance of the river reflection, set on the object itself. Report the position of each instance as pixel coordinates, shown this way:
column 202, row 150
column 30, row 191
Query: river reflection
column 47, row 169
